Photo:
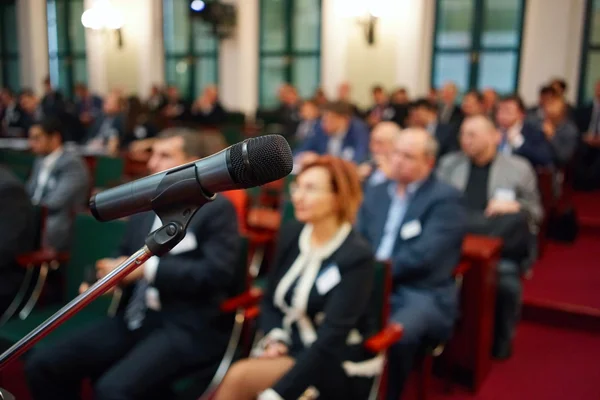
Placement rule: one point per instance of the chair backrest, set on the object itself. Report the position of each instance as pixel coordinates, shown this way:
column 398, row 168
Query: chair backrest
column 20, row 162
column 240, row 200
column 109, row 171
column 92, row 241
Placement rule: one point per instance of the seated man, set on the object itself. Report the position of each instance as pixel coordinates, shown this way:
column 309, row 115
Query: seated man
column 60, row 181
column 16, row 223
column 418, row 223
column 381, row 143
column 521, row 137
column 339, row 134
column 502, row 196
column 171, row 322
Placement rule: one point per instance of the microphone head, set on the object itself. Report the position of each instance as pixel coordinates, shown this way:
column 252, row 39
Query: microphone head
column 260, row 160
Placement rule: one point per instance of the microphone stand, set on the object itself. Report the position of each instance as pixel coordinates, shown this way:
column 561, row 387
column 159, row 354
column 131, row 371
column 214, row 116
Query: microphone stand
column 175, row 218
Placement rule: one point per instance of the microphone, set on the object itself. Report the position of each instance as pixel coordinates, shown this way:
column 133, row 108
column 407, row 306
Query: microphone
column 253, row 162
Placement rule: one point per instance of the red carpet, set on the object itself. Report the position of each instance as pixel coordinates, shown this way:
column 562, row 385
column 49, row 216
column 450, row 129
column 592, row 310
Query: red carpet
column 568, row 273
column 548, row 363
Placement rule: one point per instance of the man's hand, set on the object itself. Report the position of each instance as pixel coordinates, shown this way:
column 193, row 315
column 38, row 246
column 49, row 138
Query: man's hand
column 85, row 286
column 500, row 207
column 106, row 265
column 274, row 350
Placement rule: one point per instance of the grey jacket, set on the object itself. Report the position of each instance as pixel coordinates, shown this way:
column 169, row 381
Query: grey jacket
column 508, row 172
column 65, row 193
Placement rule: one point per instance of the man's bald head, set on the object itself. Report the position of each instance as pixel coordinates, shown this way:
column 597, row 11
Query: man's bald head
column 479, row 138
column 413, row 157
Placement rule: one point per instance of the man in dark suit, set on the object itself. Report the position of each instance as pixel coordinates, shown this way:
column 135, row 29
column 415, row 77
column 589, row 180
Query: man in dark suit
column 60, row 181
column 418, row 223
column 11, row 115
column 425, row 116
column 587, row 166
column 339, row 134
column 171, row 322
column 104, row 134
column 16, row 223
column 449, row 112
column 207, row 109
column 520, row 137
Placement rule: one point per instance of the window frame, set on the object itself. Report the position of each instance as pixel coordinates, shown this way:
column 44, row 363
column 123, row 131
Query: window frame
column 191, row 56
column 5, row 55
column 476, row 48
column 586, row 49
column 68, row 55
column 289, row 54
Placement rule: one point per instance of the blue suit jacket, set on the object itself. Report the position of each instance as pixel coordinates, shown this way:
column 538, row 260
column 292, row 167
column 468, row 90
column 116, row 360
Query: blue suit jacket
column 426, row 260
column 535, row 148
column 357, row 139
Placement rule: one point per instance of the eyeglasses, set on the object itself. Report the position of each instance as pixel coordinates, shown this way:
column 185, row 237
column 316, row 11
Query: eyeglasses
column 308, row 189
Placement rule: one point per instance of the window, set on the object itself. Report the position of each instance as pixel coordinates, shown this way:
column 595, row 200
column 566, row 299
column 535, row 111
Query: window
column 9, row 46
column 191, row 49
column 66, row 45
column 590, row 54
column 477, row 44
column 290, row 47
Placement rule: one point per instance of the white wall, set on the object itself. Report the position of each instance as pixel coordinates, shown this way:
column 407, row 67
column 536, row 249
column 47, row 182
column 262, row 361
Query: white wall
column 551, row 45
column 400, row 55
column 33, row 43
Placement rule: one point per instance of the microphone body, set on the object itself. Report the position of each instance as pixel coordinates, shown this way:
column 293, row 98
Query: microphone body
column 250, row 163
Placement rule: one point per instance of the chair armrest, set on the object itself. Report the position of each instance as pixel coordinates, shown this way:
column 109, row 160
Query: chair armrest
column 38, row 257
column 481, row 248
column 248, row 299
column 264, row 218
column 252, row 313
column 462, row 268
column 383, row 340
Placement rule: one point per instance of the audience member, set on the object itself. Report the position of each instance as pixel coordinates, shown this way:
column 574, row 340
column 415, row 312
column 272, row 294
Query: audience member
column 519, row 136
column 339, row 134
column 309, row 120
column 316, row 298
column 382, row 109
column 319, row 98
column 344, row 94
column 449, row 111
column 175, row 108
column 536, row 114
column 424, row 115
column 52, row 103
column 16, row 224
column 171, row 322
column 490, row 102
column 88, row 106
column 138, row 126
column 207, row 109
column 377, row 169
column 472, row 104
column 288, row 111
column 418, row 223
column 157, row 99
column 560, row 131
column 105, row 133
column 503, row 200
column 60, row 181
column 12, row 118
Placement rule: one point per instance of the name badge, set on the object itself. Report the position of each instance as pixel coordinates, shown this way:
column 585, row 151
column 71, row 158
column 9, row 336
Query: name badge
column 502, row 194
column 328, row 279
column 410, row 229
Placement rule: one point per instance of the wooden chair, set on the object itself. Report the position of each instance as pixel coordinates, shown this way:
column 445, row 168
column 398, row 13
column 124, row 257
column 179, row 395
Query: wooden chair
column 378, row 344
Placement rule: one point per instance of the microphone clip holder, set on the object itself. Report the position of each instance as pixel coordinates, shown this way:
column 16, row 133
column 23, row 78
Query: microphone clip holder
column 175, row 218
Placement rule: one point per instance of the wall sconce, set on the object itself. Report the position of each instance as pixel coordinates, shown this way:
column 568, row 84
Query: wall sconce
column 369, row 23
column 104, row 17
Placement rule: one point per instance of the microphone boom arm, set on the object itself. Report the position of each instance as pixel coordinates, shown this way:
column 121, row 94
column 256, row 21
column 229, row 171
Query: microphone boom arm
column 175, row 218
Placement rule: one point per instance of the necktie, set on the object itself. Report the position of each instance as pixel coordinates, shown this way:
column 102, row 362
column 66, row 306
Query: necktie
column 135, row 312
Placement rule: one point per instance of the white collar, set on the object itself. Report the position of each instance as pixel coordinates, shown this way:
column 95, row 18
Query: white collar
column 51, row 158
column 305, row 269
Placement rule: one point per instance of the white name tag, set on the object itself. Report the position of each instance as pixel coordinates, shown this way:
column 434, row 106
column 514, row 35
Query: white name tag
column 505, row 195
column 348, row 154
column 188, row 243
column 328, row 280
column 410, row 229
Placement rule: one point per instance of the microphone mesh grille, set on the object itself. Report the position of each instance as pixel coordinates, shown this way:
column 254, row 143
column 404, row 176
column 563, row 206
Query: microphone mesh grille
column 269, row 159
